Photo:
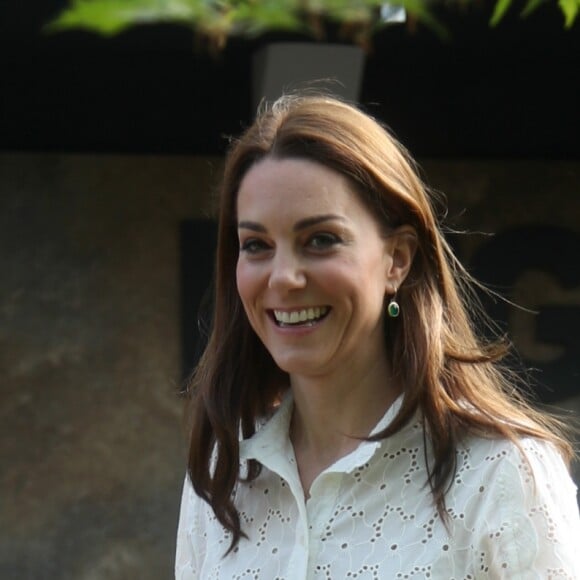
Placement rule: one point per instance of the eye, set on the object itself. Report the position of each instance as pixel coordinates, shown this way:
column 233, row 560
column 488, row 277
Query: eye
column 253, row 246
column 323, row 241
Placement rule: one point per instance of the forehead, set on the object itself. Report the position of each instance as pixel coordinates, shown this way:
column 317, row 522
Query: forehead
column 295, row 186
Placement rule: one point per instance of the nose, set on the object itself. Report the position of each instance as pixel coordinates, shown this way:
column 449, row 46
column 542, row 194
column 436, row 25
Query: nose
column 287, row 272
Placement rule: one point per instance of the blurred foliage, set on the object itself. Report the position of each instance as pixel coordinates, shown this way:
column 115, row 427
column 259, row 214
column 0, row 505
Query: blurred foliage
column 353, row 21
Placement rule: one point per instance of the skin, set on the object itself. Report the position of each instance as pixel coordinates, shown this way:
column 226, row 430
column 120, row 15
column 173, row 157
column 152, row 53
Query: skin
column 308, row 244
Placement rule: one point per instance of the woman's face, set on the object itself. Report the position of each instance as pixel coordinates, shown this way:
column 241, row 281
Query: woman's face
column 313, row 268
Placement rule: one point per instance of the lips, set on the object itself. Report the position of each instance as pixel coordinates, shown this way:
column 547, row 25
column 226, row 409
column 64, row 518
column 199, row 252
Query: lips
column 300, row 317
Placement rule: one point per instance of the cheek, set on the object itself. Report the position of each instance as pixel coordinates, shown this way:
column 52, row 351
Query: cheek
column 360, row 275
column 362, row 285
column 247, row 282
column 241, row 281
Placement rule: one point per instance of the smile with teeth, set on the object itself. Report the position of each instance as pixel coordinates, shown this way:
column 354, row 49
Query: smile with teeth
column 305, row 317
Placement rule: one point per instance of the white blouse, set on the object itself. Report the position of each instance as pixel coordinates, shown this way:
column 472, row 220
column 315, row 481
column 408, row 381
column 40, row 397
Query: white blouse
column 371, row 514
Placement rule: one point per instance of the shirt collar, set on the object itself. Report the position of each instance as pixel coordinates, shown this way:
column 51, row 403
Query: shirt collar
column 272, row 439
column 272, row 436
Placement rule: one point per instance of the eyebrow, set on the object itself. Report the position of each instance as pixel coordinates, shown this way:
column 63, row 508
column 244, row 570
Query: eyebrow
column 299, row 225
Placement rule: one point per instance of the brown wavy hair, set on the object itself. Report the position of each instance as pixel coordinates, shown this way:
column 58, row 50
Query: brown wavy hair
column 450, row 374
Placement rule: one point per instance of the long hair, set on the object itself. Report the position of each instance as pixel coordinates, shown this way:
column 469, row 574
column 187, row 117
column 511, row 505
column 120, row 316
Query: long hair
column 449, row 373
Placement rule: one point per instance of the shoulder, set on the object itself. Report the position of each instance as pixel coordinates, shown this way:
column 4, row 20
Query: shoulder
column 525, row 472
column 192, row 511
column 520, row 503
column 193, row 540
column 185, row 555
column 525, row 459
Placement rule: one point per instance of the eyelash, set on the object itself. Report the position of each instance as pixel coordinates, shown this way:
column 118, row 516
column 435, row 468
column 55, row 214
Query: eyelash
column 318, row 242
column 253, row 246
column 328, row 241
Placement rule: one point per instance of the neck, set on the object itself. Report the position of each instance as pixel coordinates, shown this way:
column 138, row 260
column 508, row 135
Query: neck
column 332, row 414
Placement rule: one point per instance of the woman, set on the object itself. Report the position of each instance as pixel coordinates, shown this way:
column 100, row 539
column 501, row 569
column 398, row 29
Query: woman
column 347, row 421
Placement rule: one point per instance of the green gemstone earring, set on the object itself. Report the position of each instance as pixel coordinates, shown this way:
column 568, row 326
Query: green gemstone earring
column 393, row 308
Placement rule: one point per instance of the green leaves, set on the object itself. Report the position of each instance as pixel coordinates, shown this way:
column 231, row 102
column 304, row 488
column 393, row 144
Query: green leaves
column 253, row 18
column 569, row 9
column 500, row 8
column 110, row 17
column 214, row 18
column 531, row 6
column 218, row 19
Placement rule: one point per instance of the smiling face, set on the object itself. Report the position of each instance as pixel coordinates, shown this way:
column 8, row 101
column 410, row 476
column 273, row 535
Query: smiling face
column 313, row 268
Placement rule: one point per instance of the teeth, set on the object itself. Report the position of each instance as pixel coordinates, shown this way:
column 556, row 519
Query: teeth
column 296, row 316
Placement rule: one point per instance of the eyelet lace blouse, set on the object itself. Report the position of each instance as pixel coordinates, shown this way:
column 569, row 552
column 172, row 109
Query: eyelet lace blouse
column 371, row 514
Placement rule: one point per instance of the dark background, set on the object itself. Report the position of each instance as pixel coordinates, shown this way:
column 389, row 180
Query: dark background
column 507, row 92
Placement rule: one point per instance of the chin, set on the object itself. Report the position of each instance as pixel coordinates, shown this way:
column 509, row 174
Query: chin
column 298, row 366
column 288, row 366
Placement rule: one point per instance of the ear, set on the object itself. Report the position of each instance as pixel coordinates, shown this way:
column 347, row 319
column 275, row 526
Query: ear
column 401, row 245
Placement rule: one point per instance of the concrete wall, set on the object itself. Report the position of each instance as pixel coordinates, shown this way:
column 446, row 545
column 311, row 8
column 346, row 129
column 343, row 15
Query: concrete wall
column 91, row 442
column 91, row 447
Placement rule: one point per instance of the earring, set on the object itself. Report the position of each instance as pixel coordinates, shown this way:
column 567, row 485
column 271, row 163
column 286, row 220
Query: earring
column 393, row 308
